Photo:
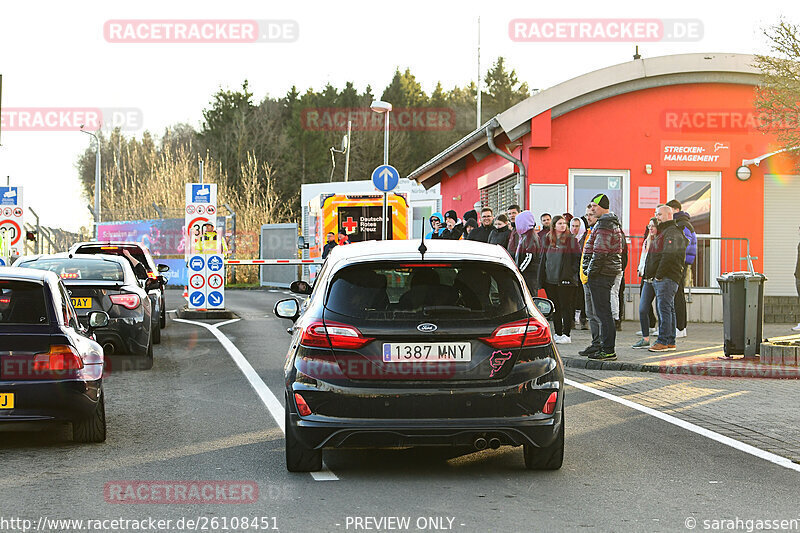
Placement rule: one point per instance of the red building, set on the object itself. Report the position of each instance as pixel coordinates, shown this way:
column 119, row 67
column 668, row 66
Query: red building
column 644, row 132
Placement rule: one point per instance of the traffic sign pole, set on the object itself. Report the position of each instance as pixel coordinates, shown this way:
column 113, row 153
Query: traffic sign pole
column 386, row 179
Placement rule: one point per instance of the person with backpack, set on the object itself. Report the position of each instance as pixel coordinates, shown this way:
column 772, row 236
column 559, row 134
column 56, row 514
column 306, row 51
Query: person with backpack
column 682, row 220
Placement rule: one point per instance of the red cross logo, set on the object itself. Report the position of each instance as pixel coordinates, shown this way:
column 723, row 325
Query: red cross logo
column 350, row 225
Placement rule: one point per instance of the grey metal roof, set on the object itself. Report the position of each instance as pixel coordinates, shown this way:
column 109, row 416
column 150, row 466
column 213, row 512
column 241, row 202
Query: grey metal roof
column 598, row 85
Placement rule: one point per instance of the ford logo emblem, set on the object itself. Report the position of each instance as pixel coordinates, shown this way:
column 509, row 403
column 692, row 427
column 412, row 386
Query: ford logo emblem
column 427, row 327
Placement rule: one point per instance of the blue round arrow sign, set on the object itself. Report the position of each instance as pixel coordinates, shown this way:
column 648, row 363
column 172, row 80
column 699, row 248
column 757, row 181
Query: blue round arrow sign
column 385, row 178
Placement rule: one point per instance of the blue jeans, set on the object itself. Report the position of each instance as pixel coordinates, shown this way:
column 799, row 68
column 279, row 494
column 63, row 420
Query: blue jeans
column 600, row 288
column 646, row 306
column 665, row 304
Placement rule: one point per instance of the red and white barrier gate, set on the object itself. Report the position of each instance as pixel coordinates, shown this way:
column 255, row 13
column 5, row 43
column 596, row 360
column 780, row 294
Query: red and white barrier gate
column 274, row 261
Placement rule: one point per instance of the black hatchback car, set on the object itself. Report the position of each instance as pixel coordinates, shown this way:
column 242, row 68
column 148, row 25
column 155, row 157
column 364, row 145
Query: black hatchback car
column 399, row 348
column 50, row 368
column 105, row 283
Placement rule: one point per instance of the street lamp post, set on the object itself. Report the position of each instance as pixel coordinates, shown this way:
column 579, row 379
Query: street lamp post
column 96, row 182
column 380, row 106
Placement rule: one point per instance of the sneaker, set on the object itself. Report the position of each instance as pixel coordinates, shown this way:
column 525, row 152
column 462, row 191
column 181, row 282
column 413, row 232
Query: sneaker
column 658, row 347
column 672, row 346
column 797, row 327
column 603, row 356
column 680, row 333
column 556, row 338
column 589, row 350
column 641, row 344
column 564, row 339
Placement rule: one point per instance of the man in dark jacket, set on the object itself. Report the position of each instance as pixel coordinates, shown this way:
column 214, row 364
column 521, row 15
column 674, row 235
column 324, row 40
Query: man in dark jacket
column 602, row 263
column 545, row 218
column 665, row 266
column 485, row 227
column 329, row 245
column 681, row 219
column 453, row 226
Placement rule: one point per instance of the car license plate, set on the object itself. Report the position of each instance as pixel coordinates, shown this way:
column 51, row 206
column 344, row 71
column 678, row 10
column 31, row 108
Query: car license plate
column 430, row 352
column 81, row 303
column 6, row 400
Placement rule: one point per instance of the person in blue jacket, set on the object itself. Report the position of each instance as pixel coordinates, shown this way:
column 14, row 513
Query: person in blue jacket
column 682, row 220
column 436, row 226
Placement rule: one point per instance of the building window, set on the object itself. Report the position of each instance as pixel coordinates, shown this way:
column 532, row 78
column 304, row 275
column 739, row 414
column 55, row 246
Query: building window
column 500, row 195
column 585, row 184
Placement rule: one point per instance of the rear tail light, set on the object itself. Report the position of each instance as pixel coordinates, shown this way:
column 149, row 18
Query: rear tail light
column 550, row 404
column 333, row 335
column 60, row 357
column 529, row 332
column 128, row 301
column 302, row 406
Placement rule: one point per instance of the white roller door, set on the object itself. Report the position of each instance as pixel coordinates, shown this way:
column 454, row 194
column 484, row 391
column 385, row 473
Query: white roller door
column 781, row 220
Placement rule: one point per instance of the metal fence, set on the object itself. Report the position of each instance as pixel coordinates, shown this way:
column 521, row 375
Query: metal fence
column 49, row 240
column 715, row 255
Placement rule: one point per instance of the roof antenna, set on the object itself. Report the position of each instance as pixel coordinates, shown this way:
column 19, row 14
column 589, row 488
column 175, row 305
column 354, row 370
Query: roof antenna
column 422, row 248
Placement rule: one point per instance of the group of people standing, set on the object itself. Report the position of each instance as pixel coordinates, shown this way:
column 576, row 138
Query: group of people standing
column 579, row 262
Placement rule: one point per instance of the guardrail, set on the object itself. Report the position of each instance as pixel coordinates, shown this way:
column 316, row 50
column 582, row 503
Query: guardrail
column 715, row 255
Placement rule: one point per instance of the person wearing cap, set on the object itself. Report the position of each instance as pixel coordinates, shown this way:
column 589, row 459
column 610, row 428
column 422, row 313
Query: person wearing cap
column 682, row 220
column 602, row 264
column 436, row 226
column 454, row 228
column 209, row 242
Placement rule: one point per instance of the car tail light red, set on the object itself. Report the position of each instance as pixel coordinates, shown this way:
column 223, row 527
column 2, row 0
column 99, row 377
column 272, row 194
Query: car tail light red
column 60, row 357
column 128, row 301
column 550, row 405
column 333, row 335
column 528, row 332
column 302, row 406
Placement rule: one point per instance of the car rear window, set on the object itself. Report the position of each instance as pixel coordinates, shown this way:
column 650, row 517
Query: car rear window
column 22, row 302
column 73, row 268
column 459, row 289
column 135, row 251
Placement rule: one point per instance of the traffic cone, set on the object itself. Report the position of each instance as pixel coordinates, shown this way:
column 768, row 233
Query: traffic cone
column 186, row 293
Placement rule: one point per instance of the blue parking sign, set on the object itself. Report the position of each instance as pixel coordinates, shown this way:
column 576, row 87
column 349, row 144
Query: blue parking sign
column 197, row 263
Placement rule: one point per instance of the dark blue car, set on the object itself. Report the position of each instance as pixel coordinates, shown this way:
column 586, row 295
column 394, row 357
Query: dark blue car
column 50, row 368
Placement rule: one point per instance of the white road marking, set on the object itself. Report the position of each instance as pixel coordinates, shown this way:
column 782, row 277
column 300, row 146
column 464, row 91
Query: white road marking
column 722, row 439
column 267, row 397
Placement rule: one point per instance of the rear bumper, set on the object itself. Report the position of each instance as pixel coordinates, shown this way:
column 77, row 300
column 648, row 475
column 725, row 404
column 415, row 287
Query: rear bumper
column 443, row 414
column 130, row 335
column 431, row 432
column 47, row 401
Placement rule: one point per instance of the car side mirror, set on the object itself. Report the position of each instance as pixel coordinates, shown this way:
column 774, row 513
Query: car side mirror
column 300, row 287
column 97, row 319
column 288, row 308
column 545, row 306
column 162, row 268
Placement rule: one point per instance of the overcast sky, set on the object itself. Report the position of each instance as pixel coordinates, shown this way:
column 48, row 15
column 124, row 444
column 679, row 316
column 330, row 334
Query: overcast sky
column 55, row 55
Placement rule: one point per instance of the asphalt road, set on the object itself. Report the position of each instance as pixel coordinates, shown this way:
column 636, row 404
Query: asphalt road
column 195, row 417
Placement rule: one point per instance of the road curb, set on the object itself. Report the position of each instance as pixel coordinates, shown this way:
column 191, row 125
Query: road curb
column 213, row 314
column 707, row 369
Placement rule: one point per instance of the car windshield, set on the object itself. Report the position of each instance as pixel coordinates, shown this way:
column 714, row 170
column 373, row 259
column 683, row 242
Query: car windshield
column 73, row 268
column 22, row 302
column 463, row 290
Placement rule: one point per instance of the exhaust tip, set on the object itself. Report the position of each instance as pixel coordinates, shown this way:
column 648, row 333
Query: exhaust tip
column 480, row 443
column 494, row 443
column 108, row 349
